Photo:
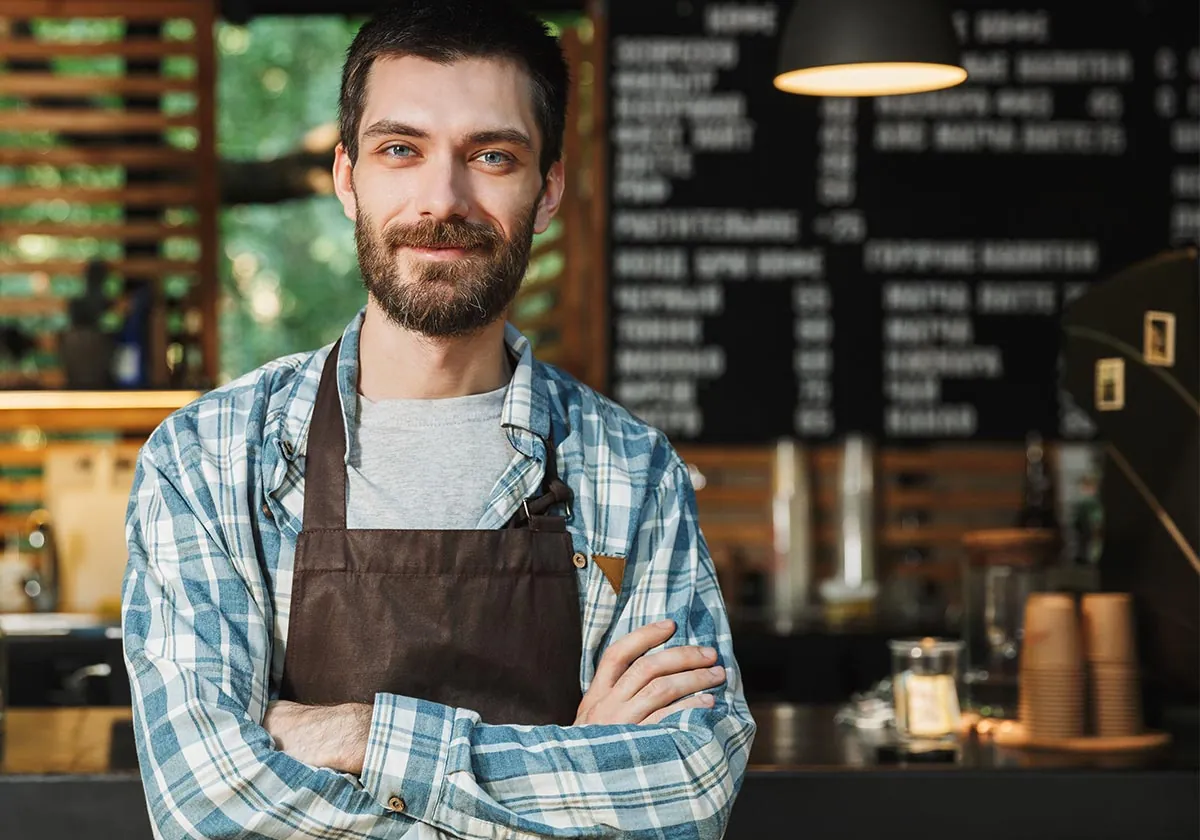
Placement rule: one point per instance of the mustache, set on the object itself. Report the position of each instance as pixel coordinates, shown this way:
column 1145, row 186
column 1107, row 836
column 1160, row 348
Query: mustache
column 435, row 233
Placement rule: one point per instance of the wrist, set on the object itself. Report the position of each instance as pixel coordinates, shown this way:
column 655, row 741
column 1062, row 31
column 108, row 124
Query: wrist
column 354, row 728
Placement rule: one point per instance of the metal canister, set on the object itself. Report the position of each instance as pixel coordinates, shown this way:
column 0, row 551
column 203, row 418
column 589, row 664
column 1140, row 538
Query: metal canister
column 851, row 592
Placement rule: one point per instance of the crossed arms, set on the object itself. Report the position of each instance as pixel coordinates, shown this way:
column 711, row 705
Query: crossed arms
column 646, row 756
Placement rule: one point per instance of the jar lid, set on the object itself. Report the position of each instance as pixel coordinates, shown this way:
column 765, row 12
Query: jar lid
column 929, row 646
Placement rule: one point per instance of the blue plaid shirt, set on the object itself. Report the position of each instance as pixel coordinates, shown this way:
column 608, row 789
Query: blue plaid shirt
column 213, row 519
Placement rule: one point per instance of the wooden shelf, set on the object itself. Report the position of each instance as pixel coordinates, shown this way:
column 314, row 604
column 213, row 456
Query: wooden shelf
column 159, row 195
column 137, row 266
column 136, row 10
column 91, row 121
column 127, row 231
column 28, row 48
column 134, row 411
column 129, row 157
column 48, row 84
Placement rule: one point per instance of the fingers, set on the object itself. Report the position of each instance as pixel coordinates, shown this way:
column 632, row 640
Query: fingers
column 697, row 701
column 674, row 660
column 663, row 691
column 626, row 650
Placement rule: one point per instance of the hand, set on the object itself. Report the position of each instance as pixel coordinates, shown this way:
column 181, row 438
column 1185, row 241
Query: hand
column 630, row 687
column 321, row 736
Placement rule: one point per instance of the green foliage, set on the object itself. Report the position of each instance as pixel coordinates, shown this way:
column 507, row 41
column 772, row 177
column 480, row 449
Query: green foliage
column 289, row 279
column 78, row 30
column 278, row 78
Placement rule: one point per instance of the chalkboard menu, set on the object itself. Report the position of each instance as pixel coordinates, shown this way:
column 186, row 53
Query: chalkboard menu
column 786, row 266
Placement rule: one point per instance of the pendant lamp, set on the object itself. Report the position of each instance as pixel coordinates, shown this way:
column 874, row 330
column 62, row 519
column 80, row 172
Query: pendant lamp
column 868, row 48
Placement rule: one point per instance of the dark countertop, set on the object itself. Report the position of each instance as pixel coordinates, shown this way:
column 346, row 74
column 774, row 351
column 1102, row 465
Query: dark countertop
column 807, row 778
column 804, row 738
column 814, row 663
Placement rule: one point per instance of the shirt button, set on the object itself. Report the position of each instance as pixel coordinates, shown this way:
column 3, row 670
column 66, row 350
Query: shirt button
column 267, row 511
column 396, row 804
column 579, row 560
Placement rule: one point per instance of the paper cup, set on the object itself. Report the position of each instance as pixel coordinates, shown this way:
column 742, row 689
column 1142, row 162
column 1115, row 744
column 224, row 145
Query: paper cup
column 1051, row 637
column 1107, row 623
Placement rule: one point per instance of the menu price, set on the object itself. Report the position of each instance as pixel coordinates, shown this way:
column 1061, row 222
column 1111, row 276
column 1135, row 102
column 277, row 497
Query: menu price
column 793, row 266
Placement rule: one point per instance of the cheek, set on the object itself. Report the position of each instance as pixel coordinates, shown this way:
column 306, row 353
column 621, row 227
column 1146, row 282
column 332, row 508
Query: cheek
column 379, row 196
column 508, row 211
column 511, row 219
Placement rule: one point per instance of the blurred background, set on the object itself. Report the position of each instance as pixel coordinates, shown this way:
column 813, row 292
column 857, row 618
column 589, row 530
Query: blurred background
column 924, row 353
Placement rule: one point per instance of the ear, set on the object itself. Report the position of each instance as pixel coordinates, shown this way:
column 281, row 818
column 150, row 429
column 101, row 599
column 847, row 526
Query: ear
column 343, row 182
column 552, row 193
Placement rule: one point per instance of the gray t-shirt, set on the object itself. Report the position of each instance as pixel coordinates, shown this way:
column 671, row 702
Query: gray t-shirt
column 426, row 464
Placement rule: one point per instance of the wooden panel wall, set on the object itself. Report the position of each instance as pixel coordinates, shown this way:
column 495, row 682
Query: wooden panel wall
column 927, row 500
column 108, row 152
column 557, row 307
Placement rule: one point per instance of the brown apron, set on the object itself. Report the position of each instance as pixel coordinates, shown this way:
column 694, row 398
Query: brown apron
column 482, row 620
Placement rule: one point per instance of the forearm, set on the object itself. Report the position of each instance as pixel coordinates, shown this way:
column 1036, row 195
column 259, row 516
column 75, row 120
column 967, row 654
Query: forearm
column 321, row 736
column 210, row 770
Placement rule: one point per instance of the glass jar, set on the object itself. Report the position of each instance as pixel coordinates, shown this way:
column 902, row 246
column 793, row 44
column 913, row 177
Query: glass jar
column 925, row 678
column 1002, row 567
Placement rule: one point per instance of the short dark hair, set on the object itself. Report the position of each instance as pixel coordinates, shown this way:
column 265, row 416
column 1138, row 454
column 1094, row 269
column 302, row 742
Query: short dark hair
column 446, row 31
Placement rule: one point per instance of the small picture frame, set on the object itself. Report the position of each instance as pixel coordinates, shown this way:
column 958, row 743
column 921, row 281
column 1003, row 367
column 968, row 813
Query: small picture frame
column 1110, row 384
column 1158, row 339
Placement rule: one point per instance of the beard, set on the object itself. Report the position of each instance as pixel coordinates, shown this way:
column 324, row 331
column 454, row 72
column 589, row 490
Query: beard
column 444, row 299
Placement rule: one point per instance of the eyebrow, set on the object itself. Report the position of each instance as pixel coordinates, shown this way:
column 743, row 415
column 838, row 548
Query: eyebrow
column 388, row 128
column 392, row 128
column 512, row 136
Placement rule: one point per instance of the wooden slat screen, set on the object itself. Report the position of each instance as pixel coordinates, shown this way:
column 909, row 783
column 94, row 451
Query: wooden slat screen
column 107, row 152
column 553, row 307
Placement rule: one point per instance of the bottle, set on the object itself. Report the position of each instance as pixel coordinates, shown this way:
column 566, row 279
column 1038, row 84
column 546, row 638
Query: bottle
column 85, row 349
column 1038, row 501
column 1088, row 523
column 130, row 368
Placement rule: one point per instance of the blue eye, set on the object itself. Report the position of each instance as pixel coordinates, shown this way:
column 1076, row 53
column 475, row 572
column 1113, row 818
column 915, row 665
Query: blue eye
column 495, row 158
column 407, row 150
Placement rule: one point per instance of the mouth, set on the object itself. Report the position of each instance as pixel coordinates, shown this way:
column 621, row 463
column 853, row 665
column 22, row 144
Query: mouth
column 439, row 253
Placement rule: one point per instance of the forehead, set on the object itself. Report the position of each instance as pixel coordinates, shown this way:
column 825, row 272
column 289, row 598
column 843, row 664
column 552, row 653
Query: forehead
column 455, row 99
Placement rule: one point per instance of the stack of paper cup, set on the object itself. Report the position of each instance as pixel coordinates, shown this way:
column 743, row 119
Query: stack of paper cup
column 1051, row 675
column 1112, row 664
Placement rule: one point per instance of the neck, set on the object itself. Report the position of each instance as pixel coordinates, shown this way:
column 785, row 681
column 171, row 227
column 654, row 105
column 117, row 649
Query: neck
column 397, row 364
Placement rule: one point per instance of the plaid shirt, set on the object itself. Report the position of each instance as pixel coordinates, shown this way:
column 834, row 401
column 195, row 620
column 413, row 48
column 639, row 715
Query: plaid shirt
column 216, row 508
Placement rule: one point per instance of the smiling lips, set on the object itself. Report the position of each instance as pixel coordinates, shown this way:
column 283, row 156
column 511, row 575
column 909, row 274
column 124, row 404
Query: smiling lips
column 440, row 253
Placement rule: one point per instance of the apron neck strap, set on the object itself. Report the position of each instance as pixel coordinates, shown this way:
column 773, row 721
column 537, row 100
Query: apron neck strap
column 554, row 490
column 325, row 476
column 325, row 464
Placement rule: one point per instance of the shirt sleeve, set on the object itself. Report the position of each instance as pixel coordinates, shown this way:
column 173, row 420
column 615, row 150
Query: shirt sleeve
column 197, row 647
column 676, row 779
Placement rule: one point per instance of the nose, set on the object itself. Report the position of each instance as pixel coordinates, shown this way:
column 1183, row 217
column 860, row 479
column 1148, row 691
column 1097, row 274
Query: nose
column 443, row 191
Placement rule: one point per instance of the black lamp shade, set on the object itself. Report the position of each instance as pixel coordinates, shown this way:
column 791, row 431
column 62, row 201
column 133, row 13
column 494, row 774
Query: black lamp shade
column 868, row 47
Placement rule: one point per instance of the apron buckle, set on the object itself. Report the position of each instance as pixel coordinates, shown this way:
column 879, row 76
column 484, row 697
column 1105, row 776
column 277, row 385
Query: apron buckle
column 529, row 517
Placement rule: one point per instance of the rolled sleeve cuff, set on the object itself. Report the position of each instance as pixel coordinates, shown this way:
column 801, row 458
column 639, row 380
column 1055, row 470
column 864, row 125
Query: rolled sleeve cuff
column 405, row 764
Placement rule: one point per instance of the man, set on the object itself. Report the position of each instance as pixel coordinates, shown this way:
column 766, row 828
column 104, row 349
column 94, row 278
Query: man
column 420, row 584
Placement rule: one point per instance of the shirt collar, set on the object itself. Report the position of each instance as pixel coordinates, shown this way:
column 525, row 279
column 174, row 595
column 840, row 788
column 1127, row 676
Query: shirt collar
column 526, row 404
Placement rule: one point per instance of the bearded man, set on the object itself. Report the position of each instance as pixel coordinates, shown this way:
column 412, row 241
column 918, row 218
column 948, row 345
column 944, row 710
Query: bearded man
column 419, row 583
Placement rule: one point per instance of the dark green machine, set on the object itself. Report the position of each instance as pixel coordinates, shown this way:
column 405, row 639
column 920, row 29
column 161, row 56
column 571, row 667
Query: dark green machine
column 1132, row 362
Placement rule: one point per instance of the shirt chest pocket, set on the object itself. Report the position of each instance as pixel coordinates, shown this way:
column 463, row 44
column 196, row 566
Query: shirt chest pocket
column 603, row 583
column 601, row 567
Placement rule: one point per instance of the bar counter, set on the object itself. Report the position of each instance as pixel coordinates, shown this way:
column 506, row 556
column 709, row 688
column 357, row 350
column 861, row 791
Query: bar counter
column 64, row 776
